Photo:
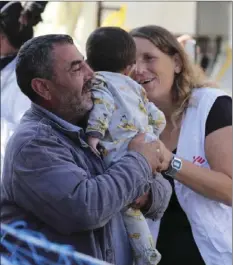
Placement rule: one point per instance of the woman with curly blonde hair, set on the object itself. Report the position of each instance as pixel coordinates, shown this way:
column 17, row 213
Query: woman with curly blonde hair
column 196, row 228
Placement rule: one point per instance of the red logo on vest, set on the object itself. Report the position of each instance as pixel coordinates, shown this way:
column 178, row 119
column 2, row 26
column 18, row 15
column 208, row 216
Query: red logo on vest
column 198, row 160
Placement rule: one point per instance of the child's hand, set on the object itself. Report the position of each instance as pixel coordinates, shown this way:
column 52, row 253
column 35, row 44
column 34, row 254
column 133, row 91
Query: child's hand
column 142, row 202
column 93, row 142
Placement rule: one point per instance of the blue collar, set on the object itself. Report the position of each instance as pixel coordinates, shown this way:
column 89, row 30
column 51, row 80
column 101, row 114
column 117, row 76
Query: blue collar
column 65, row 124
column 74, row 132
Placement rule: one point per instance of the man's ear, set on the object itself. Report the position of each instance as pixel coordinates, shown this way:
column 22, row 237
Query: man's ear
column 178, row 63
column 41, row 87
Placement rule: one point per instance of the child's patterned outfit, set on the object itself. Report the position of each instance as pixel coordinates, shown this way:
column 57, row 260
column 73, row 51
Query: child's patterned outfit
column 121, row 110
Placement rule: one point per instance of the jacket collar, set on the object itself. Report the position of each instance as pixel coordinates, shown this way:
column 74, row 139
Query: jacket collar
column 67, row 128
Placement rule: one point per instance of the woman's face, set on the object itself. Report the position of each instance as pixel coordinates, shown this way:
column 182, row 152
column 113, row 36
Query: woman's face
column 155, row 70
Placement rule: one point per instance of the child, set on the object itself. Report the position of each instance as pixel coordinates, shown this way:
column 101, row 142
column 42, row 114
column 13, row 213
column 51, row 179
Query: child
column 121, row 110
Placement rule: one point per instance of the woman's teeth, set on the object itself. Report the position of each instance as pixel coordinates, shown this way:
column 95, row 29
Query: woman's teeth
column 146, row 81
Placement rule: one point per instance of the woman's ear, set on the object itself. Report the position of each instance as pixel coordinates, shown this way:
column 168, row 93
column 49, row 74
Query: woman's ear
column 177, row 63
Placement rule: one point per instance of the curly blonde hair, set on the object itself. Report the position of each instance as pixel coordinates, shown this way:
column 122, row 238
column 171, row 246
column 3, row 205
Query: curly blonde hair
column 191, row 75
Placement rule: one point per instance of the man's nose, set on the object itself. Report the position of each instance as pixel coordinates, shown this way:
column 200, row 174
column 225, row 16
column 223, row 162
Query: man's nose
column 89, row 73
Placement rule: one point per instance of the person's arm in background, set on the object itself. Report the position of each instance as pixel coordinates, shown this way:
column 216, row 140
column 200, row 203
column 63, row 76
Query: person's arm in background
column 184, row 38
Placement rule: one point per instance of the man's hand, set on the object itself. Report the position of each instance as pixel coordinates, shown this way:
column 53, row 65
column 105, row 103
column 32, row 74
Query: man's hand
column 167, row 157
column 151, row 151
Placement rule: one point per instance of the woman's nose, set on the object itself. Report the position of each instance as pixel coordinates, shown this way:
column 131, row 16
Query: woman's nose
column 139, row 68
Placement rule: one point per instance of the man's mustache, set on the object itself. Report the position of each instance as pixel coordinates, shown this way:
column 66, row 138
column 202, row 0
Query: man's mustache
column 88, row 84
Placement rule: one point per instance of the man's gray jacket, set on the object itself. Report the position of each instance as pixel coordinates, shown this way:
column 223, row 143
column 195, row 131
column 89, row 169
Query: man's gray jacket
column 53, row 181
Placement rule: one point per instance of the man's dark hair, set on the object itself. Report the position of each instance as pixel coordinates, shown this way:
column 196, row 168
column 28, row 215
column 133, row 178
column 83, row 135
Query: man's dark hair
column 110, row 49
column 35, row 60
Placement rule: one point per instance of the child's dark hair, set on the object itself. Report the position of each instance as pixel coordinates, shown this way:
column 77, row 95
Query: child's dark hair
column 110, row 49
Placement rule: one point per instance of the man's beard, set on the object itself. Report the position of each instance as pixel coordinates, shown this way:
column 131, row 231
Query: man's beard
column 72, row 110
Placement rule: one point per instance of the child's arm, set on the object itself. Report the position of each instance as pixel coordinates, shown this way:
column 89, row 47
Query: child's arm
column 101, row 113
column 156, row 116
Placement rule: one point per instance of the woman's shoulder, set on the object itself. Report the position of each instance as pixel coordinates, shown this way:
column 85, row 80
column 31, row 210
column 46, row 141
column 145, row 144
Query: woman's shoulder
column 204, row 98
column 208, row 92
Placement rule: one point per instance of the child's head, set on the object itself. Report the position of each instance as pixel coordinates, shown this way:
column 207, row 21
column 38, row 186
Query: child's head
column 110, row 49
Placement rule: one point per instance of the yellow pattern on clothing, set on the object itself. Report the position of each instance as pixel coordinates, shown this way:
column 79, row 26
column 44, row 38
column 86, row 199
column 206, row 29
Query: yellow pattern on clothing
column 151, row 241
column 102, row 101
column 101, row 125
column 160, row 120
column 142, row 107
column 144, row 96
column 135, row 235
column 104, row 152
column 123, row 88
column 126, row 125
column 151, row 120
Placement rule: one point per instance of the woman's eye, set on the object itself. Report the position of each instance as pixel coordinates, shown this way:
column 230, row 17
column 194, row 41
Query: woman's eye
column 149, row 58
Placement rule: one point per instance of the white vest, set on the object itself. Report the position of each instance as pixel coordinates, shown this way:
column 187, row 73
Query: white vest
column 211, row 221
column 13, row 105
